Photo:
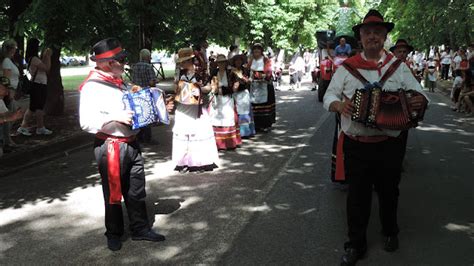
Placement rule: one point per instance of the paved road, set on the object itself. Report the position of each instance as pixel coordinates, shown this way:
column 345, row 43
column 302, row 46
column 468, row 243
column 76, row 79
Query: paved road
column 270, row 202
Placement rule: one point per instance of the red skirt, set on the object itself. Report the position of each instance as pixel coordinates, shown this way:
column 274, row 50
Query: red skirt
column 227, row 137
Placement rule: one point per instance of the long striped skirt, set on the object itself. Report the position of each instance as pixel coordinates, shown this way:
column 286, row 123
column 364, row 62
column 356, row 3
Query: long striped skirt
column 247, row 126
column 227, row 138
column 265, row 113
column 226, row 123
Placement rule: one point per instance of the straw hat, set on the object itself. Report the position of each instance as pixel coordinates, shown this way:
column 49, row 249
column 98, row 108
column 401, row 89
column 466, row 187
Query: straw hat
column 221, row 58
column 185, row 54
column 257, row 46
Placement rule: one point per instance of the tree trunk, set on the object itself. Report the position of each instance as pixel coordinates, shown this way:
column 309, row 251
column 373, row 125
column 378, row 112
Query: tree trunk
column 55, row 100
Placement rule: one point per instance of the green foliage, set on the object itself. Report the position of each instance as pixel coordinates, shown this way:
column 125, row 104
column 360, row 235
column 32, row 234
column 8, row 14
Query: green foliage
column 287, row 24
column 431, row 22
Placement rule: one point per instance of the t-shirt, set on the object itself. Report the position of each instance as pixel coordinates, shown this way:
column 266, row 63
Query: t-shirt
column 346, row 50
column 445, row 58
column 3, row 107
column 457, row 62
column 41, row 76
column 15, row 73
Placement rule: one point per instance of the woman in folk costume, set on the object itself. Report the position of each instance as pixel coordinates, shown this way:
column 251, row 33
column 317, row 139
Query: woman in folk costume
column 224, row 117
column 239, row 77
column 194, row 145
column 262, row 92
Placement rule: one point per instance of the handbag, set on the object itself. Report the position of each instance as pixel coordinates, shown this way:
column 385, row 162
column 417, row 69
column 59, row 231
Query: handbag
column 25, row 85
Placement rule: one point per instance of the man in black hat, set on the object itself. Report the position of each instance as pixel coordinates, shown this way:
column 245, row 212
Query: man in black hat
column 401, row 49
column 116, row 150
column 372, row 157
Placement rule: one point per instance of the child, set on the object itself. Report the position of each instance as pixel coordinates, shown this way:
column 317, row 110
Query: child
column 431, row 76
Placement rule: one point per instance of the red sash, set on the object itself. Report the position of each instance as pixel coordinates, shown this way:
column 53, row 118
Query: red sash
column 113, row 165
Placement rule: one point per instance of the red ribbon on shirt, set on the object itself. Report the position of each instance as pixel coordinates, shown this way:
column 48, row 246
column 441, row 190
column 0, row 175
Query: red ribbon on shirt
column 97, row 74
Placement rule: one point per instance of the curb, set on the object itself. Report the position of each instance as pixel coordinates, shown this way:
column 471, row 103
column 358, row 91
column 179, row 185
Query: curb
column 44, row 152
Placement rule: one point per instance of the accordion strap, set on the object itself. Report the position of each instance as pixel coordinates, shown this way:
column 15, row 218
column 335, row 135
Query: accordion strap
column 391, row 69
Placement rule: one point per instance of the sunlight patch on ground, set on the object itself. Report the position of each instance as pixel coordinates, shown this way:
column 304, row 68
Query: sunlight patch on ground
column 433, row 128
column 168, row 253
column 262, row 208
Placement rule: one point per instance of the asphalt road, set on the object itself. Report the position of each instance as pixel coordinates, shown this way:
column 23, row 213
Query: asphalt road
column 270, row 203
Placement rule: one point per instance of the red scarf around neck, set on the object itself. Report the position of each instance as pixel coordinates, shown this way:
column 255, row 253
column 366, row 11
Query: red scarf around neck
column 358, row 62
column 103, row 76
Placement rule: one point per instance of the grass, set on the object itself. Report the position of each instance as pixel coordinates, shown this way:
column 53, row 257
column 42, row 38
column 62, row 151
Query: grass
column 73, row 82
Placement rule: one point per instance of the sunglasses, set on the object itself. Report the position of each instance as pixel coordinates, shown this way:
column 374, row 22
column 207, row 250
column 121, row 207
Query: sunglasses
column 122, row 60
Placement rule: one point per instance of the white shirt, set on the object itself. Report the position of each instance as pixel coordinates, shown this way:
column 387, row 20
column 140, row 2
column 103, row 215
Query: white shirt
column 258, row 64
column 344, row 83
column 41, row 76
column 99, row 106
column 15, row 73
column 457, row 83
column 445, row 58
column 457, row 62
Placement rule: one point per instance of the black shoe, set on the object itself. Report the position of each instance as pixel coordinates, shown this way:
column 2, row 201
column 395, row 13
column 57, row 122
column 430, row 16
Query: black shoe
column 391, row 243
column 149, row 236
column 114, row 244
column 352, row 256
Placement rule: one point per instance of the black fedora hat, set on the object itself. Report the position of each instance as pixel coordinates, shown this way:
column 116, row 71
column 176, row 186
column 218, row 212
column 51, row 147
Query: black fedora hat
column 401, row 43
column 373, row 17
column 108, row 49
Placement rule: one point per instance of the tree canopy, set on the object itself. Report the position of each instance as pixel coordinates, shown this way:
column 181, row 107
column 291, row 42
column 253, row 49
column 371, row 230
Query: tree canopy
column 74, row 26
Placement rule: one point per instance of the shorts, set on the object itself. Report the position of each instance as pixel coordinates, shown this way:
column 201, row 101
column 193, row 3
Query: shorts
column 38, row 96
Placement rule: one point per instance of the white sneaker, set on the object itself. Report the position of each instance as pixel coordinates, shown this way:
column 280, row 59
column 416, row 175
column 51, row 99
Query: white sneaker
column 23, row 131
column 43, row 131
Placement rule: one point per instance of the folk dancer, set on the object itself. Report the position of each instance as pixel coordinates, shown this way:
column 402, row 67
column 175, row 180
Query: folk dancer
column 194, row 144
column 116, row 150
column 372, row 157
column 240, row 84
column 262, row 92
column 224, row 115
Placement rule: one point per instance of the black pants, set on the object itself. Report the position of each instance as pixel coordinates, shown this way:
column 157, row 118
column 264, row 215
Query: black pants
column 369, row 166
column 132, row 177
column 145, row 134
column 444, row 71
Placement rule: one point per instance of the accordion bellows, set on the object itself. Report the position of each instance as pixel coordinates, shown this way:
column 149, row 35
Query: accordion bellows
column 386, row 110
column 148, row 105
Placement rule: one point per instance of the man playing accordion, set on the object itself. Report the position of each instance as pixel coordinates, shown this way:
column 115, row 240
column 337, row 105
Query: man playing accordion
column 116, row 149
column 372, row 152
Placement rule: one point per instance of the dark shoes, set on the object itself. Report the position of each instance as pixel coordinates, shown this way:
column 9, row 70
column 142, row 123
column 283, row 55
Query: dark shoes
column 391, row 243
column 351, row 256
column 149, row 236
column 114, row 244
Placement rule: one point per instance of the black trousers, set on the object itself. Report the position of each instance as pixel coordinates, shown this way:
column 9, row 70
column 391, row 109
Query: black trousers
column 132, row 177
column 145, row 134
column 444, row 71
column 369, row 166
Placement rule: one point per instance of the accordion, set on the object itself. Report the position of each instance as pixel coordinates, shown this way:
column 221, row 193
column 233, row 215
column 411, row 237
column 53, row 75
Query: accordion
column 184, row 93
column 386, row 110
column 148, row 105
